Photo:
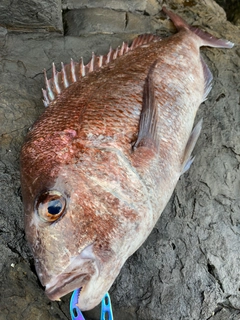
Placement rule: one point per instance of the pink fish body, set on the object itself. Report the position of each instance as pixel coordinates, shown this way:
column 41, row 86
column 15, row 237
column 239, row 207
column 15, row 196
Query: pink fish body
column 100, row 164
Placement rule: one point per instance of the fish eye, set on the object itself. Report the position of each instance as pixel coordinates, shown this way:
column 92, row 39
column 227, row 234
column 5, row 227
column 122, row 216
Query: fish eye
column 50, row 205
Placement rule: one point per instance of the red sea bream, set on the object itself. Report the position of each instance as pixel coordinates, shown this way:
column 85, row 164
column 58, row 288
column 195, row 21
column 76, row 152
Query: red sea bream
column 100, row 164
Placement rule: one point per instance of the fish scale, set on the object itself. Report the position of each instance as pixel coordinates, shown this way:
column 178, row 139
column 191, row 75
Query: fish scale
column 100, row 164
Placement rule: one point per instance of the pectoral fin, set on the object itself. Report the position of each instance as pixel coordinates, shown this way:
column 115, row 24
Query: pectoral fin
column 188, row 159
column 147, row 132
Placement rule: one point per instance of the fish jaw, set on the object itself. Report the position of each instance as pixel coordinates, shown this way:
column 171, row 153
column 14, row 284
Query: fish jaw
column 86, row 272
column 81, row 269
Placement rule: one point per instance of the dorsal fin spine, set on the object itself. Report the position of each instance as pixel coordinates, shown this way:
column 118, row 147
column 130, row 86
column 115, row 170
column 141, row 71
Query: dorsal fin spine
column 91, row 67
column 100, row 62
column 109, row 55
column 70, row 73
column 121, row 50
column 82, row 68
column 73, row 74
column 115, row 54
column 48, row 88
column 55, row 79
column 64, row 76
column 45, row 96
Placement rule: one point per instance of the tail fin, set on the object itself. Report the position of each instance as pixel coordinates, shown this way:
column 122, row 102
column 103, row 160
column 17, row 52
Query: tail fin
column 206, row 38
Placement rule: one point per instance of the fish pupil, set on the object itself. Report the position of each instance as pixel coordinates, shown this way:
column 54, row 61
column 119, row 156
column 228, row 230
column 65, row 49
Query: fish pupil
column 54, row 207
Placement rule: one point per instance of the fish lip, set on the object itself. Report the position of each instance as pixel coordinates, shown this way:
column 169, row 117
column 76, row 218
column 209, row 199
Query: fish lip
column 55, row 293
column 76, row 275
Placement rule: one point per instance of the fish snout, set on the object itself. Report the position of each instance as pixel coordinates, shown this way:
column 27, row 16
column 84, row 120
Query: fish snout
column 77, row 275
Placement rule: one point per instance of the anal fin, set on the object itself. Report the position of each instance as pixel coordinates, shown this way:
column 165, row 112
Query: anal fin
column 187, row 158
column 207, row 79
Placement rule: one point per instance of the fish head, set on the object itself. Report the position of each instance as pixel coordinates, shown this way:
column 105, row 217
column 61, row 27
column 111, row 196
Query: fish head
column 71, row 247
column 78, row 227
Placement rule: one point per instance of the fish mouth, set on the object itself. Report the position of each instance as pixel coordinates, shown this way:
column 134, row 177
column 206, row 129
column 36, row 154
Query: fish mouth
column 78, row 281
column 77, row 275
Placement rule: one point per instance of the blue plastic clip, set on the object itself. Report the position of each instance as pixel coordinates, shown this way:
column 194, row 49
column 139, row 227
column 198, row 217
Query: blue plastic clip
column 106, row 308
column 75, row 312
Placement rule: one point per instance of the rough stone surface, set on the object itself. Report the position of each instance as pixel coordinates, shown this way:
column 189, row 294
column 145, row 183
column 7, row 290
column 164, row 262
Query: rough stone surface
column 232, row 8
column 31, row 15
column 128, row 5
column 106, row 21
column 188, row 268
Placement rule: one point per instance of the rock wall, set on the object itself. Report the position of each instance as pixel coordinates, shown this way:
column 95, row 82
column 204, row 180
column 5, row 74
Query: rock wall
column 188, row 268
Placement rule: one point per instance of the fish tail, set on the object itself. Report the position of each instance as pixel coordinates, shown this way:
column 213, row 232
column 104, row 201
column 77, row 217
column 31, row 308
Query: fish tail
column 206, row 39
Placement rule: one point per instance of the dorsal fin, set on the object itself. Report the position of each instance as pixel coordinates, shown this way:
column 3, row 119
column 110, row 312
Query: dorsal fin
column 73, row 71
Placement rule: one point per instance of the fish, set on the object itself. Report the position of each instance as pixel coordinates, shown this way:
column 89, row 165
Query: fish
column 100, row 164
